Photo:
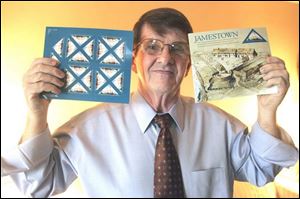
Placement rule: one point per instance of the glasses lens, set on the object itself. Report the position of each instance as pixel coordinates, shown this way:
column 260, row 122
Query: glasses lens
column 180, row 49
column 152, row 46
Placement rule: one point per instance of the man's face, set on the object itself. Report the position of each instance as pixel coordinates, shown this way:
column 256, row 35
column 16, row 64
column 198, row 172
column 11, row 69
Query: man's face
column 160, row 73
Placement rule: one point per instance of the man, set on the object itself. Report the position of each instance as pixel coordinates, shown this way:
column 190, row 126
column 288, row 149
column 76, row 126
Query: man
column 118, row 150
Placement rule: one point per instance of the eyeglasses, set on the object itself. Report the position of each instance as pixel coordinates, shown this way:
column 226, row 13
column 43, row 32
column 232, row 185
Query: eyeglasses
column 155, row 47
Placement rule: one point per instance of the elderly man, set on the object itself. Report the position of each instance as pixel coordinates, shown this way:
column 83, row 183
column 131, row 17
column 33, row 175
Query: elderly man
column 161, row 144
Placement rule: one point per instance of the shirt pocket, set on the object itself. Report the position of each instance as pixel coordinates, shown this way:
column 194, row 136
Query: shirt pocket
column 208, row 183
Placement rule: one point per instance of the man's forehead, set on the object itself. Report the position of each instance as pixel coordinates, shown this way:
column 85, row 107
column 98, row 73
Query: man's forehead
column 169, row 33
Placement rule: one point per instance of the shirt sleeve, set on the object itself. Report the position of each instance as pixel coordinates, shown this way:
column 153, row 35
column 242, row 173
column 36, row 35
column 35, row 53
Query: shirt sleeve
column 258, row 157
column 38, row 161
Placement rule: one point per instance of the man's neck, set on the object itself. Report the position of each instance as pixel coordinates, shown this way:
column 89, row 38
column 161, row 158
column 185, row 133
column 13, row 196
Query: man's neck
column 160, row 102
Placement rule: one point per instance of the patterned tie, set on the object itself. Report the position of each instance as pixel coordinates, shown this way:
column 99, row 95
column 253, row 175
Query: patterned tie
column 168, row 181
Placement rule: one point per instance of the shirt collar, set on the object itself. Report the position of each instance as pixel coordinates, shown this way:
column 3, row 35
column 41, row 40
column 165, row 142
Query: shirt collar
column 144, row 113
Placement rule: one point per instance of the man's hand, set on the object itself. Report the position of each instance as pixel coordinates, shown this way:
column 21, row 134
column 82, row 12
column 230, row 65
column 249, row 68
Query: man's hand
column 275, row 73
column 43, row 75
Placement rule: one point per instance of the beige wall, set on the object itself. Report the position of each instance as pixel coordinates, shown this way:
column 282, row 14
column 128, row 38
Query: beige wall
column 22, row 39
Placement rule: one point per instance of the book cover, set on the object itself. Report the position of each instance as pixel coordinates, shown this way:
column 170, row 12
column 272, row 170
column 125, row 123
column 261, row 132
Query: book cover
column 226, row 63
column 97, row 63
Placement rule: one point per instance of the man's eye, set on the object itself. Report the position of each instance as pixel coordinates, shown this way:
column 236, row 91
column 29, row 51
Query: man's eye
column 153, row 46
column 177, row 48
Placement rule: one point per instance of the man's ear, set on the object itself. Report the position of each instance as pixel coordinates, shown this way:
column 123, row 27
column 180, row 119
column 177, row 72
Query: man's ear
column 188, row 69
column 134, row 69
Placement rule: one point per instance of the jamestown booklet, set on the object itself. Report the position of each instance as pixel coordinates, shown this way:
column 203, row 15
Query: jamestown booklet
column 226, row 63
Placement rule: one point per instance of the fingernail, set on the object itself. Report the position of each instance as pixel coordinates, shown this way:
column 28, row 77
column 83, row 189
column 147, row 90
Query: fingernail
column 262, row 70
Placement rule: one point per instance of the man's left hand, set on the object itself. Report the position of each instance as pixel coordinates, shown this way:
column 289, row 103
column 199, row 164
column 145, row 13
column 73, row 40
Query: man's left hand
column 275, row 73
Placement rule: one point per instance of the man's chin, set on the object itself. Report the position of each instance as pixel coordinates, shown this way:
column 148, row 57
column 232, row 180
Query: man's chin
column 163, row 89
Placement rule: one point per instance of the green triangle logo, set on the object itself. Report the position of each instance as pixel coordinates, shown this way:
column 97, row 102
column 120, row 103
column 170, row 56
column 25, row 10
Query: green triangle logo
column 253, row 37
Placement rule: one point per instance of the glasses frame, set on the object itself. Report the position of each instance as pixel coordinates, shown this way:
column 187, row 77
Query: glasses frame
column 170, row 46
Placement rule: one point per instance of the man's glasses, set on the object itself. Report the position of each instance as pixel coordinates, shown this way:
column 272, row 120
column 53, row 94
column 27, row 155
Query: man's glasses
column 155, row 47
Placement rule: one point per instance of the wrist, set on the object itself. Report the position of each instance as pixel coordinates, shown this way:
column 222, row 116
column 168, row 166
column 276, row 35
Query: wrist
column 267, row 121
column 36, row 124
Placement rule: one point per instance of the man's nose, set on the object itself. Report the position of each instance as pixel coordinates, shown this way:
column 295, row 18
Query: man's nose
column 166, row 57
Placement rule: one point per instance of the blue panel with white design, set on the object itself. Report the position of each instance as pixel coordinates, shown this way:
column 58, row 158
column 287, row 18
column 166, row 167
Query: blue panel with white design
column 97, row 63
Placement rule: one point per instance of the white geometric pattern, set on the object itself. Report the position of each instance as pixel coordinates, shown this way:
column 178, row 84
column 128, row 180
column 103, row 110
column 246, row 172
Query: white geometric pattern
column 120, row 51
column 117, row 81
column 78, row 86
column 78, row 70
column 109, row 90
column 96, row 62
column 80, row 39
column 70, row 48
column 110, row 59
column 58, row 47
column 111, row 41
column 79, row 57
column 89, row 49
column 102, row 50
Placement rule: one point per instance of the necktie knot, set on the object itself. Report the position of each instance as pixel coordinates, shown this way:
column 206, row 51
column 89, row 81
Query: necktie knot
column 163, row 121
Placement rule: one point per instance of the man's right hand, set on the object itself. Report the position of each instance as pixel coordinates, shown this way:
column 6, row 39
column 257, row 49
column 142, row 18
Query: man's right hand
column 43, row 75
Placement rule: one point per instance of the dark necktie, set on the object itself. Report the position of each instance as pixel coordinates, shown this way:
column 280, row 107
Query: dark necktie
column 168, row 181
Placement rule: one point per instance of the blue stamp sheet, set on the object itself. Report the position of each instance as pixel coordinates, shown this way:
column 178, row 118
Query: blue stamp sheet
column 97, row 63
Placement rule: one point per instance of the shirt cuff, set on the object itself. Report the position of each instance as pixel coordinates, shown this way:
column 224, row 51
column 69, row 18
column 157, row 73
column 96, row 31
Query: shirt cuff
column 263, row 143
column 37, row 149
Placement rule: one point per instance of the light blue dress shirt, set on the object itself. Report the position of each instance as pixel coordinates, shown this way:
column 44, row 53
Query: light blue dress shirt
column 111, row 149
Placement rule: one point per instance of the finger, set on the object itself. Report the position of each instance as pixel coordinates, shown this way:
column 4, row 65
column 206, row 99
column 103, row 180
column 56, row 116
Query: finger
column 44, row 77
column 277, row 73
column 46, row 61
column 40, row 87
column 273, row 59
column 48, row 69
column 283, row 85
column 272, row 66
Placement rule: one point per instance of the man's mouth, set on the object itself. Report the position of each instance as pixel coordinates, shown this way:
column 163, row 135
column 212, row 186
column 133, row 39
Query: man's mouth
column 166, row 72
